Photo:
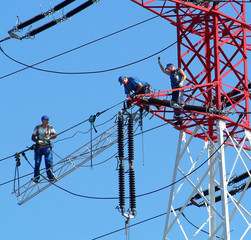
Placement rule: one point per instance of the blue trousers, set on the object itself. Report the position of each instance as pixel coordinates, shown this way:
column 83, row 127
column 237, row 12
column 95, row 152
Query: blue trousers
column 48, row 162
column 177, row 97
column 145, row 90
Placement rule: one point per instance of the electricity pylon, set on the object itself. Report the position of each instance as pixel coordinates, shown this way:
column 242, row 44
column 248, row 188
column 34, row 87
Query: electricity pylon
column 211, row 176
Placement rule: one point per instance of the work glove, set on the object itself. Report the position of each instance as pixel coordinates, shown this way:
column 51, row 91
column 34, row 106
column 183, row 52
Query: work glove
column 181, row 84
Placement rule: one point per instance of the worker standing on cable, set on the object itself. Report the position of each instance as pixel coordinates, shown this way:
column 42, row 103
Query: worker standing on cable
column 42, row 135
column 177, row 78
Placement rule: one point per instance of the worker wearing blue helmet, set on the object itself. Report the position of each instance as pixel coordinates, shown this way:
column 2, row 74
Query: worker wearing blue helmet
column 42, row 134
column 177, row 78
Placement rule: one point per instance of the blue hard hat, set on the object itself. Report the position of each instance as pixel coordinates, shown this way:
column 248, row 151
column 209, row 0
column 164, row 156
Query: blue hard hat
column 44, row 117
column 121, row 79
column 169, row 65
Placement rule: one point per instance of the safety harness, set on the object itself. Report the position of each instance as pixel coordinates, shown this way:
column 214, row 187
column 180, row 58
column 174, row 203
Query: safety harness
column 175, row 78
column 47, row 134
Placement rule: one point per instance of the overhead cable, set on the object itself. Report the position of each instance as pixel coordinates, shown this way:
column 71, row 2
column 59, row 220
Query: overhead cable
column 97, row 71
column 63, row 139
column 42, row 15
column 87, row 120
column 105, row 70
column 93, row 164
column 49, row 24
column 131, row 225
column 143, row 221
column 195, row 169
column 169, row 185
column 154, row 191
column 73, row 49
column 68, row 129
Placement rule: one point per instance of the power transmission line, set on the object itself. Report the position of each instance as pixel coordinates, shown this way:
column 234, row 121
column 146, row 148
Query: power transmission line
column 71, row 50
column 105, row 70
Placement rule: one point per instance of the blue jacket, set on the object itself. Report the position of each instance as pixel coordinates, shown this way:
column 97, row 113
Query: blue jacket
column 132, row 84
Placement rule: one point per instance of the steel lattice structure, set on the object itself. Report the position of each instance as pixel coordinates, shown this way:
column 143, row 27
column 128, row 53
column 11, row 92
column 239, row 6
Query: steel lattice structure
column 26, row 190
column 212, row 49
column 216, row 55
column 67, row 165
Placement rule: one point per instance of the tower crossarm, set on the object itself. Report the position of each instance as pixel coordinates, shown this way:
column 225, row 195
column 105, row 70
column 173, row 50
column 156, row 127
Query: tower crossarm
column 194, row 114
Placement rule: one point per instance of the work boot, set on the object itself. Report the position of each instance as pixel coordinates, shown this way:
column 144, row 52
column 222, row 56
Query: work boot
column 178, row 123
column 35, row 179
column 52, row 180
column 177, row 116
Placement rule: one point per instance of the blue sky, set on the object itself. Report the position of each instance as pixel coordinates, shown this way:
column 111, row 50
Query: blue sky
column 69, row 99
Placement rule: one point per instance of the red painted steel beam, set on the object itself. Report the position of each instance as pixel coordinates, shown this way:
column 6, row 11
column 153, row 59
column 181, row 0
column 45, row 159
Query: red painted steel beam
column 212, row 50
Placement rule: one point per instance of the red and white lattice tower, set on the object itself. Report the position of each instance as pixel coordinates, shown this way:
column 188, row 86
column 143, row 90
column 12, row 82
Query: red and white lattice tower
column 212, row 49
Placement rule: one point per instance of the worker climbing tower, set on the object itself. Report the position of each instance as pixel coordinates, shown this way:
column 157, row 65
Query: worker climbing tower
column 210, row 181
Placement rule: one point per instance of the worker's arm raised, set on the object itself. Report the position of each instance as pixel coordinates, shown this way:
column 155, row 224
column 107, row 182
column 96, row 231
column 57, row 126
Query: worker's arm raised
column 162, row 68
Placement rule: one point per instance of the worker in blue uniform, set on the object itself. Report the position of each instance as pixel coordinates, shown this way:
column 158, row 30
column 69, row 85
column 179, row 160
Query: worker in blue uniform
column 177, row 78
column 42, row 134
column 134, row 86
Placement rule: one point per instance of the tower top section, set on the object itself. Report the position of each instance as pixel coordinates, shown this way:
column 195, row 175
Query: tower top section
column 212, row 47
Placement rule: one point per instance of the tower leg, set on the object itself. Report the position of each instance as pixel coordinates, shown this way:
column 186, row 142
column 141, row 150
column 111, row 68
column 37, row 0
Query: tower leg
column 169, row 209
column 211, row 187
column 195, row 186
column 223, row 183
